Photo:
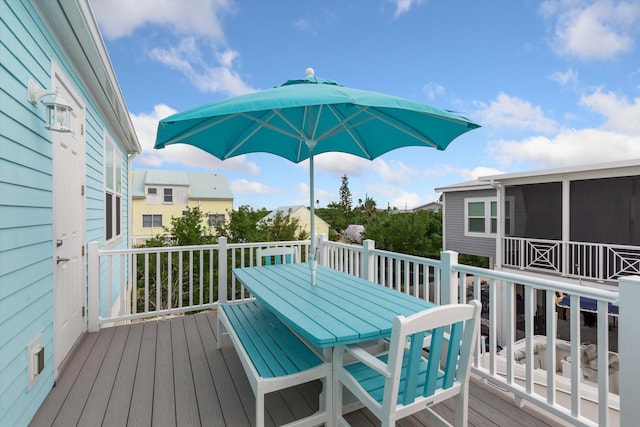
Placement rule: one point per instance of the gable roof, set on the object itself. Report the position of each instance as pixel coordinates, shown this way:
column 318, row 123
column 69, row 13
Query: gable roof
column 201, row 185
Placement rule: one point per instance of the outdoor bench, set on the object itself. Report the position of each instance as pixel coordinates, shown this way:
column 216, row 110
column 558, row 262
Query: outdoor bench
column 273, row 357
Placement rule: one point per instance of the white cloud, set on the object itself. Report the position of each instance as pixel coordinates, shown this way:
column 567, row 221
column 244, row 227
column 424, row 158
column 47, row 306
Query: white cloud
column 432, row 90
column 396, row 197
column 568, row 78
column 120, row 18
column 338, row 164
column 593, row 30
column 302, row 195
column 187, row 58
column 146, row 126
column 569, row 147
column 403, row 6
column 621, row 115
column 395, row 173
column 475, row 173
column 513, row 112
column 243, row 186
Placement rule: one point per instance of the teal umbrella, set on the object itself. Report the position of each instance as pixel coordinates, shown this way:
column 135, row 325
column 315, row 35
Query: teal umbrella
column 309, row 116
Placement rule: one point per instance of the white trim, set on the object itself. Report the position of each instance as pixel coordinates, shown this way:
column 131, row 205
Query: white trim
column 487, row 216
column 117, row 156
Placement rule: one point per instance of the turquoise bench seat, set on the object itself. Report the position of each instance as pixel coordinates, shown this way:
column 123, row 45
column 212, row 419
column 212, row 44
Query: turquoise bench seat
column 273, row 357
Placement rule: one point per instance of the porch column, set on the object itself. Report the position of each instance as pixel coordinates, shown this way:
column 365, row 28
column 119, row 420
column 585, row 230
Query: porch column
column 566, row 227
column 629, row 350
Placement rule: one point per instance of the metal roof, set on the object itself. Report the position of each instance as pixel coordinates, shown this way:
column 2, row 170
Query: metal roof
column 201, row 185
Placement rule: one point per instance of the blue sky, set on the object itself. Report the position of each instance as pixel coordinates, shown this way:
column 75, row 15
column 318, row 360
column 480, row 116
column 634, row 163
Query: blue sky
column 553, row 83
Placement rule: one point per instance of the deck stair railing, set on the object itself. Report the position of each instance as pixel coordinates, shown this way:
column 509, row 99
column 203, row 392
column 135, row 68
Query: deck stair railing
column 513, row 306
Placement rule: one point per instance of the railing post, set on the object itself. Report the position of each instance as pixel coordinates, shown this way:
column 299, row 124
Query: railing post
column 367, row 259
column 629, row 350
column 222, row 269
column 93, row 286
column 322, row 244
column 449, row 278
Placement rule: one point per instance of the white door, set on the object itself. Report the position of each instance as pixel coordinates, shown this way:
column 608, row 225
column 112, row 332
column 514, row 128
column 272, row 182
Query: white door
column 68, row 227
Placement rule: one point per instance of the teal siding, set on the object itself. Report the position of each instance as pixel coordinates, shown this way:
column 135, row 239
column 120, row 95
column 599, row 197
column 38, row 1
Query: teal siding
column 26, row 204
column 26, row 215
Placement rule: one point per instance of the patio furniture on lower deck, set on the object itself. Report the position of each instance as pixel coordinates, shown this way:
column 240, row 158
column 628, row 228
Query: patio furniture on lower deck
column 169, row 373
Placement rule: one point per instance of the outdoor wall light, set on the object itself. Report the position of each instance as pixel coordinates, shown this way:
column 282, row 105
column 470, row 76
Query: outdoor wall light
column 58, row 111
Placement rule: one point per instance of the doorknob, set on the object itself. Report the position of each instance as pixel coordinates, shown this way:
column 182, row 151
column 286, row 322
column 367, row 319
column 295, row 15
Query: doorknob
column 59, row 260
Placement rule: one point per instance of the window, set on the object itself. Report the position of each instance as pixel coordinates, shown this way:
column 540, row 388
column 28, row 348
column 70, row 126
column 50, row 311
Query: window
column 152, row 190
column 113, row 190
column 481, row 217
column 168, row 195
column 151, row 221
column 216, row 219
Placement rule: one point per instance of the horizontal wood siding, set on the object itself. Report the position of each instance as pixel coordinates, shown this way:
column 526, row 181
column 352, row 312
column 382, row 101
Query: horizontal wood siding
column 455, row 240
column 26, row 202
column 26, row 214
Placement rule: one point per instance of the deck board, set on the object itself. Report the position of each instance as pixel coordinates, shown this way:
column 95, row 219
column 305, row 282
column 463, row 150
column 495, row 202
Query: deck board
column 170, row 373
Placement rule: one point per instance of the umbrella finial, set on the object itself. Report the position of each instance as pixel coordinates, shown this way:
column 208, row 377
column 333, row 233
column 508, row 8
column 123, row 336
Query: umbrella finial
column 309, row 72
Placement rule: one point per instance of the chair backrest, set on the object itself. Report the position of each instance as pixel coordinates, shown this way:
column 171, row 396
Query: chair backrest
column 276, row 255
column 450, row 333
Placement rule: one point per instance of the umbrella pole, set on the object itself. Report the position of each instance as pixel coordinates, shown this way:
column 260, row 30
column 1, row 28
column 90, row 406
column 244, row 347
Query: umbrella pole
column 313, row 259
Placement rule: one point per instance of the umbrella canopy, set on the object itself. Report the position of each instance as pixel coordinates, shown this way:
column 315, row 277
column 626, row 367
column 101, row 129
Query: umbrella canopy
column 310, row 116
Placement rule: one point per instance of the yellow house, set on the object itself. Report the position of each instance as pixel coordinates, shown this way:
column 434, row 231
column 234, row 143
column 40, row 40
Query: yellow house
column 304, row 219
column 159, row 195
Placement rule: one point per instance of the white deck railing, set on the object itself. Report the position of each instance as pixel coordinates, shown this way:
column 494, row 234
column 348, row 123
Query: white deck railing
column 597, row 261
column 181, row 279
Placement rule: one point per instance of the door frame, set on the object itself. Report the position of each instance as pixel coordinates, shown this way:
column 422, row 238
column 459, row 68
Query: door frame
column 59, row 79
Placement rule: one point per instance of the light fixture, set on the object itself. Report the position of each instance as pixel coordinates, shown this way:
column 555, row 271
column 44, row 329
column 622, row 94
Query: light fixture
column 58, row 111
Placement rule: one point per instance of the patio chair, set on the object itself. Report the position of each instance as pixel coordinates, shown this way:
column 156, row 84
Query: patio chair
column 407, row 378
column 276, row 255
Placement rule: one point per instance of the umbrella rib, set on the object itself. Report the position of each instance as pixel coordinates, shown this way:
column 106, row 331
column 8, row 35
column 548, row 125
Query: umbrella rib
column 340, row 127
column 245, row 139
column 197, row 129
column 413, row 133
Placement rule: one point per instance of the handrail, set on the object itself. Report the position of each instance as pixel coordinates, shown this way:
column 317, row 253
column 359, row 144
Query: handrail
column 173, row 280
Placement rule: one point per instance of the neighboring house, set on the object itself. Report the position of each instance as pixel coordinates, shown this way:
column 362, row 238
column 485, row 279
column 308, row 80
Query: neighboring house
column 303, row 214
column 159, row 195
column 432, row 206
column 579, row 223
column 58, row 190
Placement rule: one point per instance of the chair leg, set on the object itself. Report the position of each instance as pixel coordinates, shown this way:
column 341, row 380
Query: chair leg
column 259, row 409
column 462, row 408
column 219, row 333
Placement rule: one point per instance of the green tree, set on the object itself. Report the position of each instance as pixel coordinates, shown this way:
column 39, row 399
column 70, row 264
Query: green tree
column 189, row 229
column 185, row 230
column 242, row 225
column 245, row 225
column 345, row 195
column 415, row 233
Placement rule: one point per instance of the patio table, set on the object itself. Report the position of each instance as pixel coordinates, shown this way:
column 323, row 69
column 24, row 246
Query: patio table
column 340, row 309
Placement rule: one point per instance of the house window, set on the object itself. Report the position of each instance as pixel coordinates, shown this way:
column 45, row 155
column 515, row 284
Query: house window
column 216, row 219
column 149, row 221
column 152, row 190
column 113, row 190
column 481, row 217
column 168, row 195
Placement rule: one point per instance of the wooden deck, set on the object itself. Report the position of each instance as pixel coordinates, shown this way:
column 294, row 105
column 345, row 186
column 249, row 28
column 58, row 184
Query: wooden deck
column 169, row 373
